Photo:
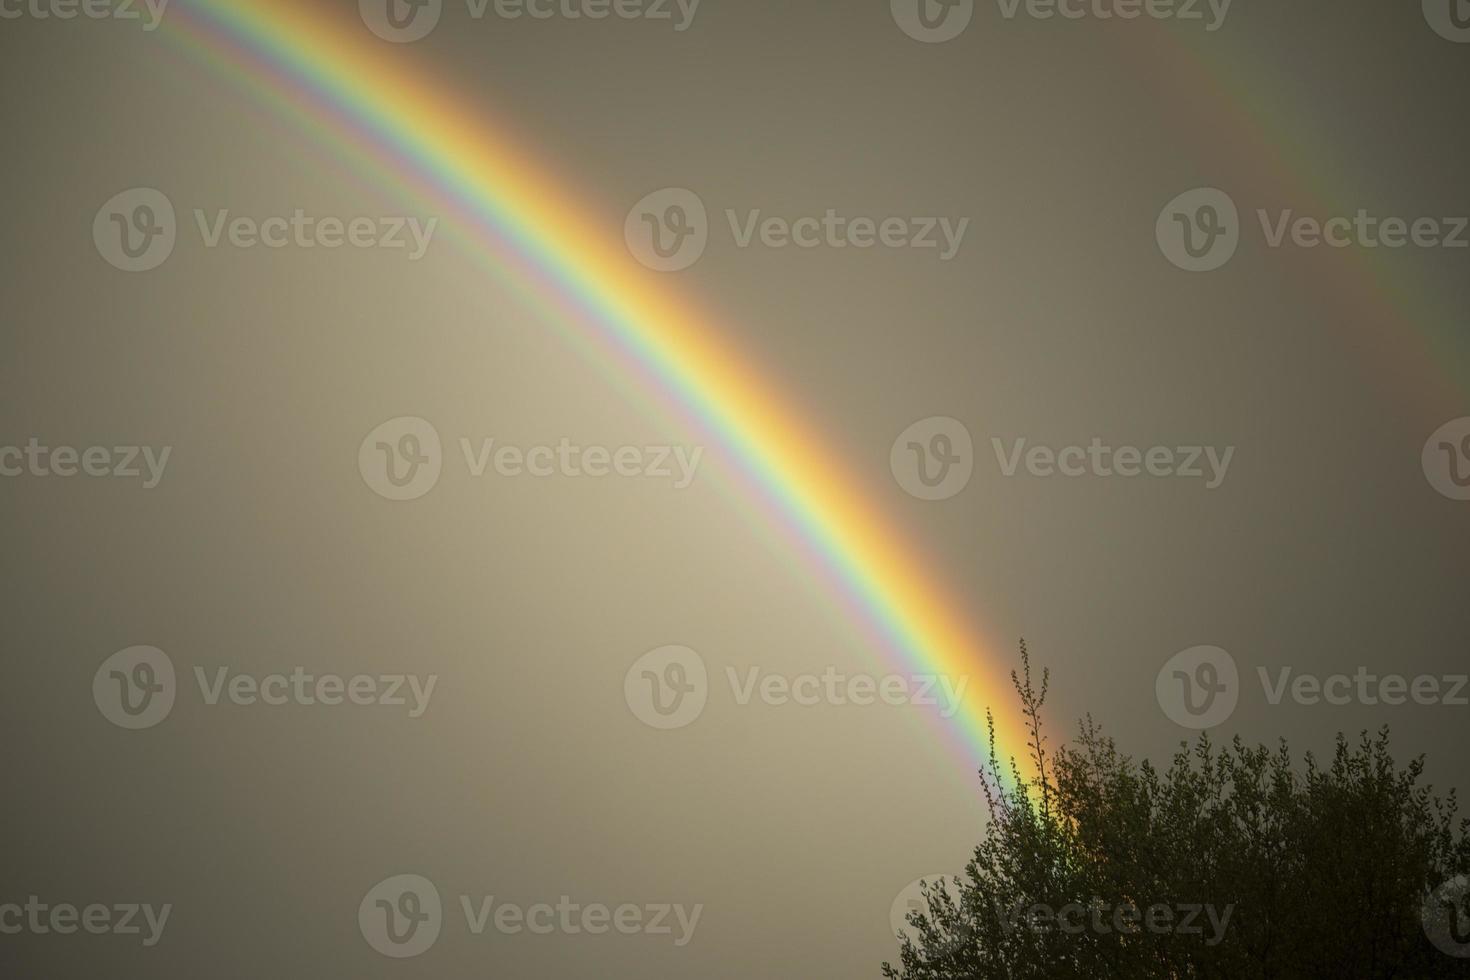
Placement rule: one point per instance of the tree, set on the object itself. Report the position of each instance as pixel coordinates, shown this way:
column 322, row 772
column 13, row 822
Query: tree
column 1232, row 863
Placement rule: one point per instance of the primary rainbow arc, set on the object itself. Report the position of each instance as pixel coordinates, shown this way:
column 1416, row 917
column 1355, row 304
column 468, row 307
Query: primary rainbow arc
column 381, row 114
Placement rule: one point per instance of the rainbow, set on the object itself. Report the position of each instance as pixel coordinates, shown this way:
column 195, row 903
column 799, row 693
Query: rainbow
column 368, row 100
column 1412, row 341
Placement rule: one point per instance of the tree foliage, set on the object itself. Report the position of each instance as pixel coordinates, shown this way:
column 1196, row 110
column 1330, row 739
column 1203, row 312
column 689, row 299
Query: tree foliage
column 1232, row 863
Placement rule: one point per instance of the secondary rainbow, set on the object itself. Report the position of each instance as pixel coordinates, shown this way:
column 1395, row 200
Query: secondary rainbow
column 364, row 96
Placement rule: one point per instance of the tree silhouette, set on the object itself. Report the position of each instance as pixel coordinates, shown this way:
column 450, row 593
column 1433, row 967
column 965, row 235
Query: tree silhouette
column 1232, row 863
